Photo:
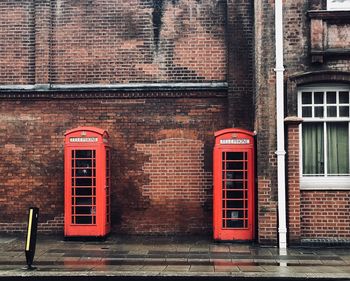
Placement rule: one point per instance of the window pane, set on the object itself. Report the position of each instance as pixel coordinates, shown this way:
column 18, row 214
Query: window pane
column 318, row 97
column 344, row 111
column 307, row 111
column 331, row 97
column 338, row 148
column 313, row 152
column 306, row 98
column 344, row 97
column 319, row 111
column 331, row 111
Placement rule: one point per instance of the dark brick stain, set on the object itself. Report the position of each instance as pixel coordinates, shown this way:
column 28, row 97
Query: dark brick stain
column 158, row 6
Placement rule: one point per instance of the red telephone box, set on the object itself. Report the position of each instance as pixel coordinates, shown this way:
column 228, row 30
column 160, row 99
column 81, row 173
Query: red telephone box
column 233, row 210
column 87, row 182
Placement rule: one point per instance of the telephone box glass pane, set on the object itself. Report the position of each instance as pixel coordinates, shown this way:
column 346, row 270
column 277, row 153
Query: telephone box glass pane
column 83, row 182
column 235, row 204
column 83, row 220
column 83, row 154
column 83, row 191
column 83, row 210
column 234, row 155
column 84, row 163
column 235, row 186
column 83, row 172
column 234, row 166
column 83, row 200
column 83, row 186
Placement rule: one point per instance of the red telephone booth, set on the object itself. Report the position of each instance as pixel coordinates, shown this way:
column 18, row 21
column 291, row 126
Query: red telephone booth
column 87, row 182
column 233, row 209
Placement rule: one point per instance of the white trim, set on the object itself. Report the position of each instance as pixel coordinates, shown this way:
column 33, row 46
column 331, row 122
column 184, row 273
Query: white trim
column 322, row 183
column 333, row 5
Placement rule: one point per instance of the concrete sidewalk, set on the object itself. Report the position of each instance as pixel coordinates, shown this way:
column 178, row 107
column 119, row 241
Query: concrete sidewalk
column 166, row 256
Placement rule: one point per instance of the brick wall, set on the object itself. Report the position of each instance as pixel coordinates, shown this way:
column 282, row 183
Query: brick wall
column 240, row 57
column 56, row 225
column 178, row 190
column 267, row 213
column 265, row 123
column 112, row 41
column 293, row 184
column 17, row 42
column 145, row 134
column 325, row 214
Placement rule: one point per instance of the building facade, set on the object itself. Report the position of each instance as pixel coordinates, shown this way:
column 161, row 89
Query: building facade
column 162, row 76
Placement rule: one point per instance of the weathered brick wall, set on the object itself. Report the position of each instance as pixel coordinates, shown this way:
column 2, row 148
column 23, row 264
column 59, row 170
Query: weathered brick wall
column 265, row 123
column 267, row 213
column 106, row 42
column 240, row 57
column 161, row 160
column 17, row 42
column 296, row 36
column 325, row 214
column 178, row 189
column 293, row 184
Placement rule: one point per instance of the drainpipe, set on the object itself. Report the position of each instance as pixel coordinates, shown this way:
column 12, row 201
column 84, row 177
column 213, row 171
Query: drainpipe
column 282, row 228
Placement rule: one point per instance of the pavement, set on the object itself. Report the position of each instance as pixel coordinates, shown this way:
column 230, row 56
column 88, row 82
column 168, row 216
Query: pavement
column 170, row 257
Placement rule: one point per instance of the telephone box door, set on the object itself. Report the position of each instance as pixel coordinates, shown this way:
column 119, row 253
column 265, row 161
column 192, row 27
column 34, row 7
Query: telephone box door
column 87, row 182
column 234, row 212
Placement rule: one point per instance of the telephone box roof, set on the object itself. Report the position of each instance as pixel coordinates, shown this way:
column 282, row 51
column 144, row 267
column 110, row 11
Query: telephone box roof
column 89, row 129
column 234, row 130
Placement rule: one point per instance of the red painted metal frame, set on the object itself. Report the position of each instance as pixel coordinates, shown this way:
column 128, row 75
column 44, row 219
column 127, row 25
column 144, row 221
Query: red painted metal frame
column 92, row 145
column 234, row 142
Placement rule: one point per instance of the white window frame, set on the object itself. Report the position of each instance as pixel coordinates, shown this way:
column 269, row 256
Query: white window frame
column 338, row 5
column 322, row 182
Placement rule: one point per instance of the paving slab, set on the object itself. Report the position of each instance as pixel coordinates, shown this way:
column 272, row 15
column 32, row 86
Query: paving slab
column 202, row 268
column 178, row 268
column 251, row 268
column 226, row 268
